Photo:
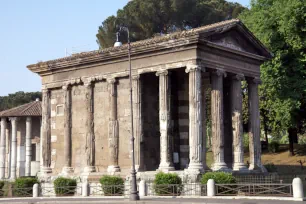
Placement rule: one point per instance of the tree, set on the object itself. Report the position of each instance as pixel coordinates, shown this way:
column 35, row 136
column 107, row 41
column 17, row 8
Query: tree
column 17, row 99
column 147, row 18
column 281, row 26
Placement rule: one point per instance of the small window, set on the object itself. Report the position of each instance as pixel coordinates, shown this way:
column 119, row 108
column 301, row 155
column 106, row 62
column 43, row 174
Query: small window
column 59, row 110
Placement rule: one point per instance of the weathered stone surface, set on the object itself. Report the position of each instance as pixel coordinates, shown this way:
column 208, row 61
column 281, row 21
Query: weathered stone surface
column 217, row 120
column 236, row 91
column 14, row 148
column 28, row 146
column 166, row 163
column 2, row 147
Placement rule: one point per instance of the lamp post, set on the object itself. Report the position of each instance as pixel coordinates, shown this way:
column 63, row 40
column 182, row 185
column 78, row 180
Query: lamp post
column 133, row 192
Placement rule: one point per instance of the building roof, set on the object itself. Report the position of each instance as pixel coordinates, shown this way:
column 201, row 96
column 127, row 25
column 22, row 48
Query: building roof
column 208, row 29
column 29, row 109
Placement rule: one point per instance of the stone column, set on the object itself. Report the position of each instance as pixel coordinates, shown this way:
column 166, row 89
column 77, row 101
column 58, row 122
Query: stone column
column 113, row 129
column 67, row 131
column 195, row 119
column 166, row 163
column 28, row 146
column 217, row 120
column 236, row 91
column 254, row 125
column 89, row 147
column 2, row 148
column 14, row 147
column 46, row 132
column 136, row 83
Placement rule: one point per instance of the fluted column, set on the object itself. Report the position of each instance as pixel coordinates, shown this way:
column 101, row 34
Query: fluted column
column 89, row 146
column 166, row 163
column 14, row 147
column 46, row 132
column 254, row 125
column 238, row 163
column 136, row 83
column 67, row 130
column 113, row 129
column 28, row 146
column 2, row 147
column 195, row 119
column 217, row 120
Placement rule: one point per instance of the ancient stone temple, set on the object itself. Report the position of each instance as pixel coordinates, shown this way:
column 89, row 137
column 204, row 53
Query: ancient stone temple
column 86, row 111
column 20, row 141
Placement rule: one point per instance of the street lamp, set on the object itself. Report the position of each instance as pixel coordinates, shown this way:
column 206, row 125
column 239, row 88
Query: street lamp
column 133, row 192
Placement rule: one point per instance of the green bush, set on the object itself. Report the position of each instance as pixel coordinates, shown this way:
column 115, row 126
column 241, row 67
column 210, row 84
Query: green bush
column 219, row 178
column 167, row 184
column 64, row 186
column 112, row 185
column 2, row 183
column 274, row 147
column 23, row 186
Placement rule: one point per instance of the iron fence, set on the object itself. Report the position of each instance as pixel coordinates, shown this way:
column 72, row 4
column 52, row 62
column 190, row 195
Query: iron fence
column 271, row 178
column 284, row 190
column 10, row 192
column 49, row 191
column 109, row 190
column 193, row 189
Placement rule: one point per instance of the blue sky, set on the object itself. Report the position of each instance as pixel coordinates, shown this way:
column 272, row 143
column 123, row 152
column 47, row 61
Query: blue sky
column 36, row 30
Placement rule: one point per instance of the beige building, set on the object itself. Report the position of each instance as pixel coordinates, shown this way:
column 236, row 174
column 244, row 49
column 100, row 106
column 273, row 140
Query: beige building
column 86, row 114
column 20, row 141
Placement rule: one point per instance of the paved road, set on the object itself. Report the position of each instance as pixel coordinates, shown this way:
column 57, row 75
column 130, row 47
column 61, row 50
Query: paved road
column 144, row 201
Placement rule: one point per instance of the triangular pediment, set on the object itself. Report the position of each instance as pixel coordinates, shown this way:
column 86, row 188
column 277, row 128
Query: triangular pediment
column 238, row 38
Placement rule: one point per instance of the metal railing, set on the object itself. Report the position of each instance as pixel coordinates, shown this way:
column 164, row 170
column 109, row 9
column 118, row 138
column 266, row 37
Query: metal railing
column 109, row 190
column 60, row 191
column 284, row 190
column 16, row 192
column 177, row 190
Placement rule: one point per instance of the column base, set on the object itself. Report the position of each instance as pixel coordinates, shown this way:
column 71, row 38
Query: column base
column 193, row 167
column 221, row 166
column 46, row 170
column 89, row 169
column 67, row 170
column 165, row 167
column 113, row 169
column 240, row 167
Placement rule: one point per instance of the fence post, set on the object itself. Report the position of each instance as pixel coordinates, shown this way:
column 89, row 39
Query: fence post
column 85, row 189
column 211, row 188
column 297, row 188
column 35, row 190
column 143, row 188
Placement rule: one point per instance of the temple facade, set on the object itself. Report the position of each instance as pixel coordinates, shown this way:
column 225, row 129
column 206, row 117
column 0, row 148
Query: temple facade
column 86, row 126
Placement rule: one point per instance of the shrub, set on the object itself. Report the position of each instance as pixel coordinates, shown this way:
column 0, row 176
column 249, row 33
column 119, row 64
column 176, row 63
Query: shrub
column 270, row 167
column 112, row 185
column 274, row 147
column 167, row 183
column 219, row 178
column 2, row 183
column 64, row 186
column 23, row 186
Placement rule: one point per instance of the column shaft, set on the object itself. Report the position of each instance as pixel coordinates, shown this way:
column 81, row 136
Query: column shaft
column 67, row 130
column 236, row 92
column 89, row 147
column 254, row 125
column 136, row 83
column 14, row 148
column 217, row 120
column 2, row 148
column 166, row 163
column 28, row 146
column 195, row 119
column 46, row 132
column 113, row 129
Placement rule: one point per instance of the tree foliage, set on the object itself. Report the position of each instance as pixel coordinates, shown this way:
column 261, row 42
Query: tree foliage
column 17, row 99
column 147, row 18
column 281, row 26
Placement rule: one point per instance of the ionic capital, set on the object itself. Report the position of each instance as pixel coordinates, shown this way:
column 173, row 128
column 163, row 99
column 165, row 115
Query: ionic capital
column 136, row 77
column 66, row 87
column 255, row 80
column 13, row 119
column 44, row 90
column 111, row 80
column 239, row 77
column 220, row 72
column 29, row 119
column 192, row 68
column 162, row 72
